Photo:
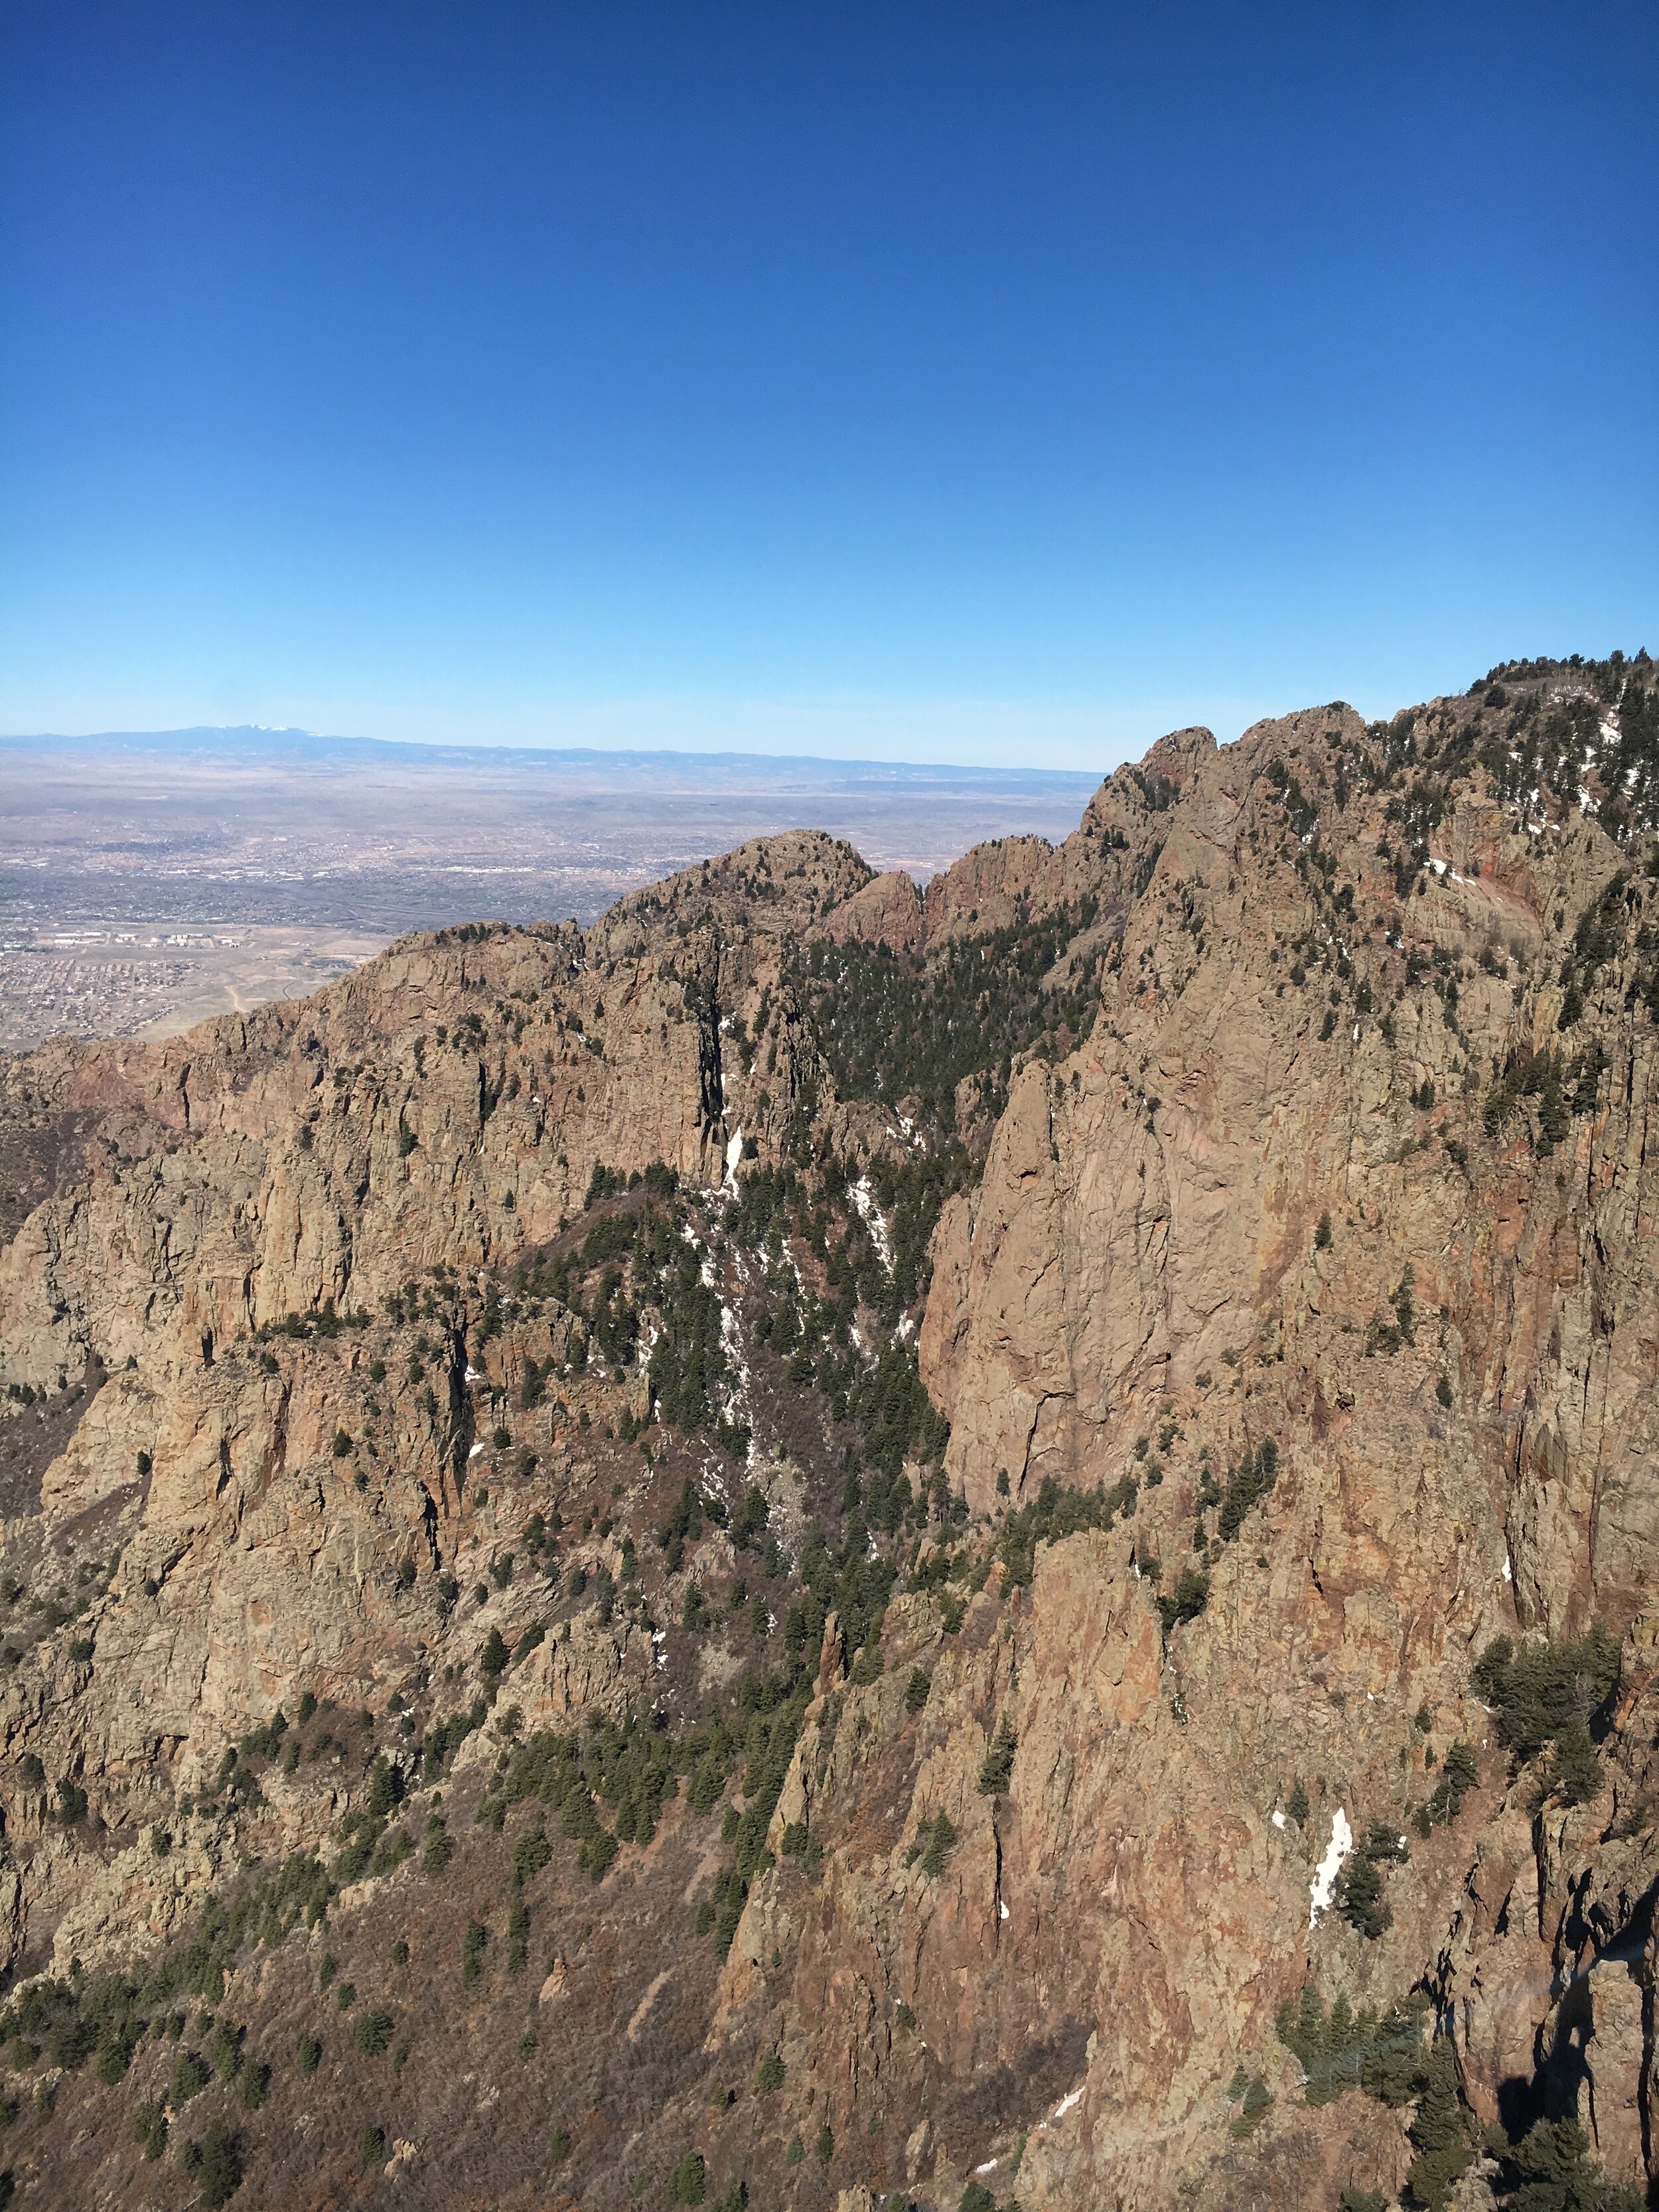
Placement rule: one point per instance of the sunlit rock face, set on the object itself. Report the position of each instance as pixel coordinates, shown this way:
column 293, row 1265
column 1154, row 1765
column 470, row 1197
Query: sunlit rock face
column 904, row 1498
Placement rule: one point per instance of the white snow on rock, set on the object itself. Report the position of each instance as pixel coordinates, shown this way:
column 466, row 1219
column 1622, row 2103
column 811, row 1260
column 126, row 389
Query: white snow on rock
column 739, row 1404
column 1508, row 1571
column 1323, row 1886
column 1002, row 1908
column 1279, row 1821
column 733, row 1157
column 1067, row 2103
column 869, row 1213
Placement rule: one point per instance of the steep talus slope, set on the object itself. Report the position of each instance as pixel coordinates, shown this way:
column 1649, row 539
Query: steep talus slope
column 839, row 1540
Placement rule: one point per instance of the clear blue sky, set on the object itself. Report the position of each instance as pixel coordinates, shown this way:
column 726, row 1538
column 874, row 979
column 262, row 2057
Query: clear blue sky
column 989, row 382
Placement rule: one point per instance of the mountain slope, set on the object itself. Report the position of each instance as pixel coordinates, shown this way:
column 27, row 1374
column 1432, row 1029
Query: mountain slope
column 830, row 1539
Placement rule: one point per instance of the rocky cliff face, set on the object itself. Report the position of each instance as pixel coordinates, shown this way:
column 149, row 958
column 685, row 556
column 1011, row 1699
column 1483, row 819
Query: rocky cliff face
column 985, row 1545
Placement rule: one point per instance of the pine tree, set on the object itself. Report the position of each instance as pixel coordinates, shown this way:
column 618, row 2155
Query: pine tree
column 1552, row 2170
column 688, row 2182
column 219, row 2169
column 1360, row 1898
column 997, row 1768
column 1438, row 2133
column 1578, row 1767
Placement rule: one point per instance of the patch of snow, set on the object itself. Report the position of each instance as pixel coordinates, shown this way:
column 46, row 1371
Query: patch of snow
column 733, row 1157
column 869, row 1214
column 1508, row 1571
column 738, row 1405
column 1279, row 1821
column 473, row 1376
column 1323, row 1886
column 1068, row 2102
column 989, row 2166
column 1439, row 867
column 476, row 1450
column 1002, row 1908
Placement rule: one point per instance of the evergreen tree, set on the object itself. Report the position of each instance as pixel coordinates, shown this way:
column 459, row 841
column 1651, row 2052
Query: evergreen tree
column 1438, row 2133
column 1551, row 2170
column 997, row 1768
column 1577, row 1771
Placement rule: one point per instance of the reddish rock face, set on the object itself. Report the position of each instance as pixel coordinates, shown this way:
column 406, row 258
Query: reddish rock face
column 1292, row 1304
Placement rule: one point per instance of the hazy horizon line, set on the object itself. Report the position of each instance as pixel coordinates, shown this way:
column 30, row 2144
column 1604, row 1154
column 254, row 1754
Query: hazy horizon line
column 436, row 748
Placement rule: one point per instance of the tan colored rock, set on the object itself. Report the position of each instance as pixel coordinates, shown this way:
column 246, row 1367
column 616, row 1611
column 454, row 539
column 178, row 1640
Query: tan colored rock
column 887, row 911
column 1132, row 1294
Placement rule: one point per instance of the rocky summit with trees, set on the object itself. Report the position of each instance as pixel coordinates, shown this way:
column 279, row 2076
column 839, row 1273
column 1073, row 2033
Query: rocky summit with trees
column 834, row 1544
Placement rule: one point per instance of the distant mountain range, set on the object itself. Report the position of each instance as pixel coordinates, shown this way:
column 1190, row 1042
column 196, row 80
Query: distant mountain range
column 246, row 743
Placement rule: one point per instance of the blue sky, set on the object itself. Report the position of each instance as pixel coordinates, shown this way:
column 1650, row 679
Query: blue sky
column 1001, row 383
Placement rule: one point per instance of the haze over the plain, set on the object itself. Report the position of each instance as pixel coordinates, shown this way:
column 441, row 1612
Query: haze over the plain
column 149, row 879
